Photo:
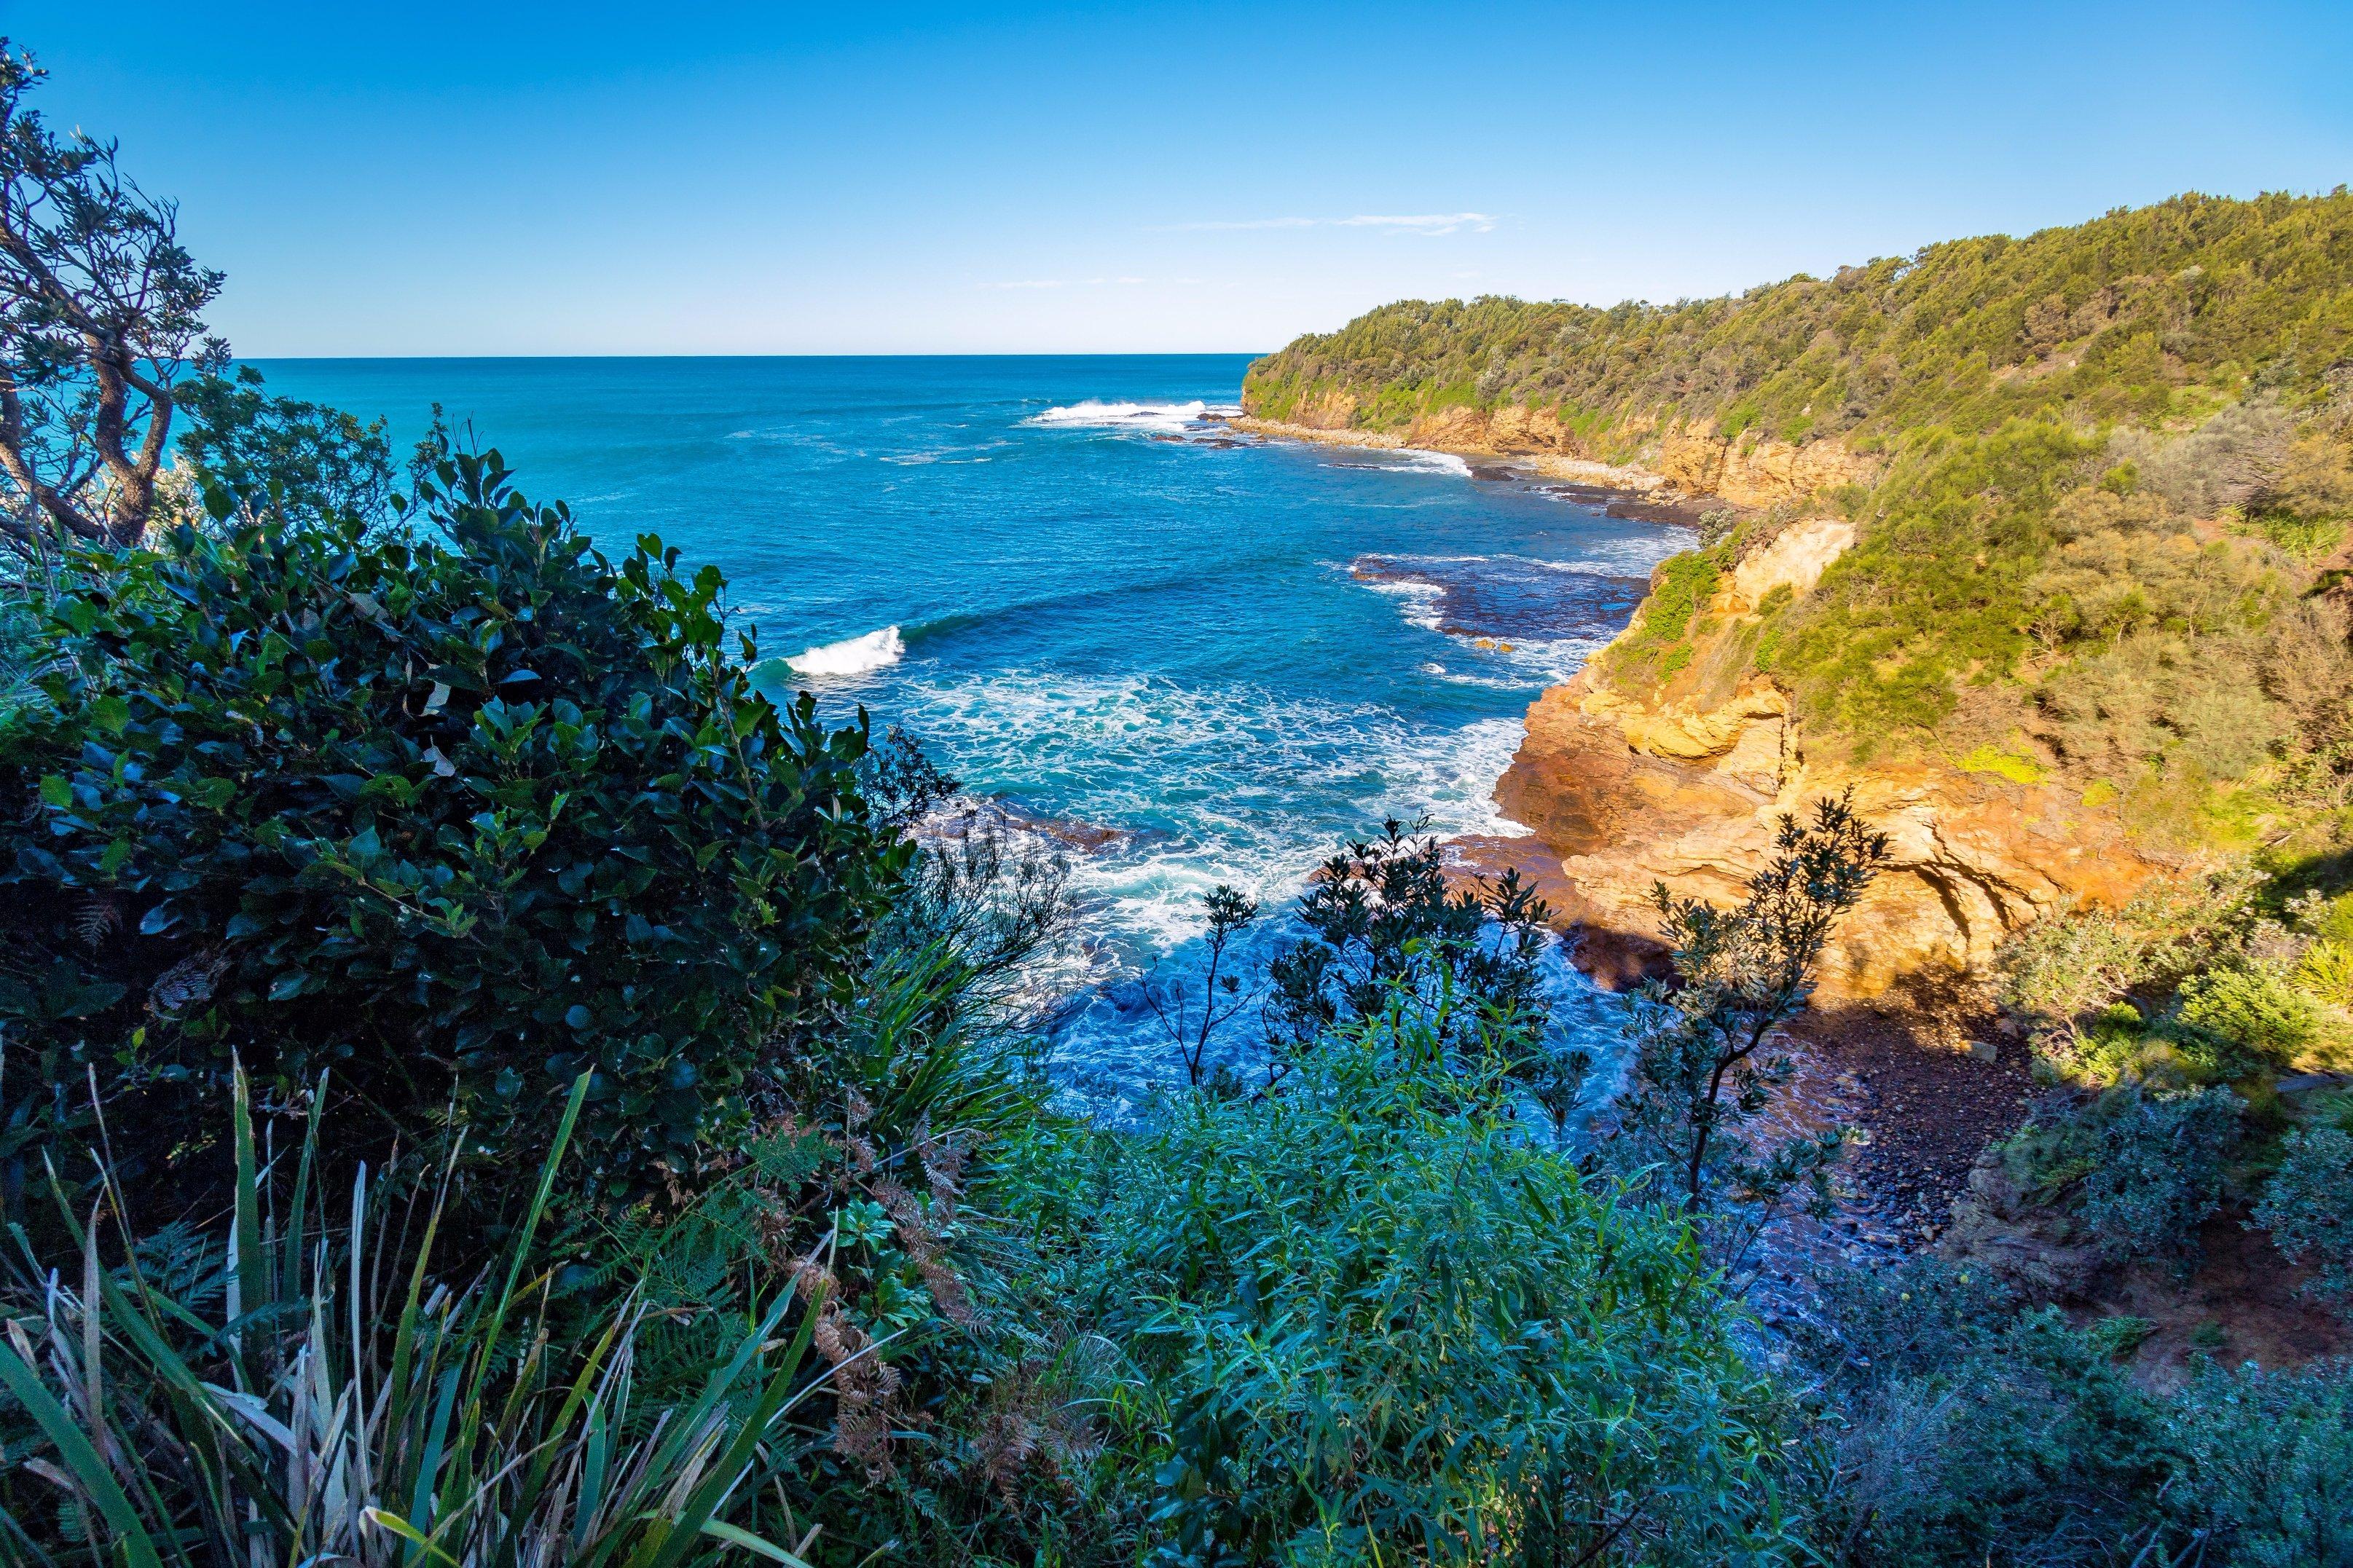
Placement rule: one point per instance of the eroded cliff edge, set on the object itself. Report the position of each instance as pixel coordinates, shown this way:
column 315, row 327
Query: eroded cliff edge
column 1626, row 785
column 1692, row 460
column 1685, row 786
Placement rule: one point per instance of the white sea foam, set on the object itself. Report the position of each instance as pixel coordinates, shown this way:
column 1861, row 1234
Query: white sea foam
column 851, row 656
column 1414, row 459
column 1204, row 778
column 1173, row 419
column 1420, row 599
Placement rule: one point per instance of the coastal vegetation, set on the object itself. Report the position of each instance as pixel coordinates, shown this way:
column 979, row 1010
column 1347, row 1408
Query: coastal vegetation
column 2102, row 474
column 487, row 1085
column 2098, row 481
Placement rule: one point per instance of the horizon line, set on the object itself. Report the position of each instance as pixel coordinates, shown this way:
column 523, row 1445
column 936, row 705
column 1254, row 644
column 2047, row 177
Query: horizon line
column 889, row 353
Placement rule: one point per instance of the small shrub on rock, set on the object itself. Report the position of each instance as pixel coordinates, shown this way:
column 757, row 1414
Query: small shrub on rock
column 2158, row 1164
column 2307, row 1207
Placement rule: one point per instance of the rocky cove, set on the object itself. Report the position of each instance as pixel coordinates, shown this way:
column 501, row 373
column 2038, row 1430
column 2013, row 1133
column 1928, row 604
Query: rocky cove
column 1623, row 791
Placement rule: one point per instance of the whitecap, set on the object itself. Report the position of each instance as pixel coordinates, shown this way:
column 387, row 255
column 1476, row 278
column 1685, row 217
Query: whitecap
column 1092, row 414
column 851, row 656
column 1415, row 460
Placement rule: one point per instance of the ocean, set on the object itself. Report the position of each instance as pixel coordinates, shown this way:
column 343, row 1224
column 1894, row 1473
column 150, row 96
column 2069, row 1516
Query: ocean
column 1210, row 658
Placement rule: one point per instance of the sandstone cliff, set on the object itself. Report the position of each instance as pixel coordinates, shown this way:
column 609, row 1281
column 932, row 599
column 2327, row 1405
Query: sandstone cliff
column 1695, row 461
column 1623, row 796
column 1625, row 792
column 1686, row 785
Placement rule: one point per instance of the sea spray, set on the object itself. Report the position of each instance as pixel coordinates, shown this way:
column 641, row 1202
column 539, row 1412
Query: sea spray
column 851, row 656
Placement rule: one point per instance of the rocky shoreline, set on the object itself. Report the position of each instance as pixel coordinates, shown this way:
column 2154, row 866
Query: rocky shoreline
column 1617, row 795
column 1621, row 490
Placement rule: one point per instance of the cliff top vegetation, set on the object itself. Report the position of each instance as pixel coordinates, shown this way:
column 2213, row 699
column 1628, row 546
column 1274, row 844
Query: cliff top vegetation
column 2141, row 316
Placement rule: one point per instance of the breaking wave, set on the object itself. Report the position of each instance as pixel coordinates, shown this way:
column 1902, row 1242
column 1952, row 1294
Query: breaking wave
column 1172, row 417
column 851, row 656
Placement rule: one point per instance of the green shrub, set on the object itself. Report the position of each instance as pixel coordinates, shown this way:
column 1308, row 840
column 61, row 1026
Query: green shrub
column 2058, row 975
column 1655, row 648
column 2157, row 1168
column 457, row 810
column 1378, row 1325
column 2307, row 1206
column 1961, row 1430
column 2262, row 1472
column 2256, row 1009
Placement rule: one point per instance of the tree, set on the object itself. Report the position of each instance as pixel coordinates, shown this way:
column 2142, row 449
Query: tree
column 1383, row 918
column 1740, row 974
column 251, row 454
column 101, row 314
column 1230, row 911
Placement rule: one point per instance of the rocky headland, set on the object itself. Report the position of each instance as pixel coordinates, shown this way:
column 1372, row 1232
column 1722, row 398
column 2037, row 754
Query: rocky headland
column 1624, row 790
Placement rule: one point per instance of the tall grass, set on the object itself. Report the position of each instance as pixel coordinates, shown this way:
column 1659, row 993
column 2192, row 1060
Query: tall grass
column 305, row 1394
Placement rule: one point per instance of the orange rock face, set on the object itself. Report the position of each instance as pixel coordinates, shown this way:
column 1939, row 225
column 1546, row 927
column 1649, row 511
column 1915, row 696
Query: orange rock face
column 1623, row 792
column 1623, row 798
column 1759, row 473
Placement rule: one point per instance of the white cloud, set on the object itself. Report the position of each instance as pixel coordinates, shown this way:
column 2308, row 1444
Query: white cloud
column 1425, row 223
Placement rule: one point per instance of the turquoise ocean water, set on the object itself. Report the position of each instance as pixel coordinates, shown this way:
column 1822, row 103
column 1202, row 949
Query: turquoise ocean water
column 1211, row 657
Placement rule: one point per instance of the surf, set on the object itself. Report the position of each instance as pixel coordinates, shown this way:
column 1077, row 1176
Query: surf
column 851, row 656
column 1172, row 418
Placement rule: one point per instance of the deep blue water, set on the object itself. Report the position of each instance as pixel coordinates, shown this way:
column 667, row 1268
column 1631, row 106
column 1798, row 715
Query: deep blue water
column 1108, row 611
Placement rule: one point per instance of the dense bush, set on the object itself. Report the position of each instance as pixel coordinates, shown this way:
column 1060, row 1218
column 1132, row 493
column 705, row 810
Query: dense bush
column 2268, row 1019
column 1374, row 1321
column 1963, row 1428
column 2307, row 1206
column 451, row 812
column 2131, row 316
column 2140, row 1168
column 2158, row 1162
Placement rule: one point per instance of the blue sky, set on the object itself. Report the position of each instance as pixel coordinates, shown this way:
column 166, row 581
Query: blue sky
column 707, row 178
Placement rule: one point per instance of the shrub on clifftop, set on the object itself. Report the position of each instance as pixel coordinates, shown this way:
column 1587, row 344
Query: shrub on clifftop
column 456, row 813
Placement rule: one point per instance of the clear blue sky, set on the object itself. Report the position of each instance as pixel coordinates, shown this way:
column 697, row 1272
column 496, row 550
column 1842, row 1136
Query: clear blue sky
column 708, row 178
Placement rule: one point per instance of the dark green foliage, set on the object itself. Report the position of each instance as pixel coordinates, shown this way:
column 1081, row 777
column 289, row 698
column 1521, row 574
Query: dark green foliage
column 2126, row 318
column 459, row 812
column 2141, row 1168
column 1702, row 1066
column 1964, row 1430
column 1373, row 1322
column 2157, row 1168
column 2307, row 1206
column 2262, row 1467
column 1384, row 922
column 252, row 454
